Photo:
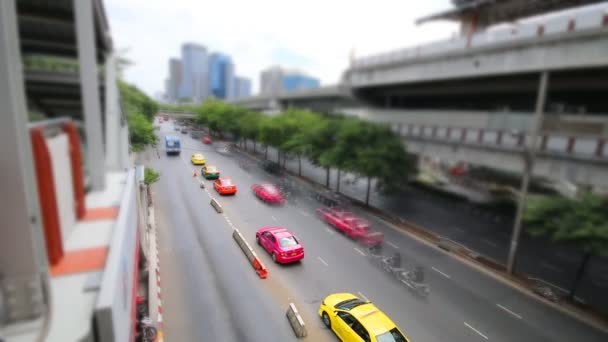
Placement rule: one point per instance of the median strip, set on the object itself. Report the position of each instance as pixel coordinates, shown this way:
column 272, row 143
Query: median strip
column 257, row 264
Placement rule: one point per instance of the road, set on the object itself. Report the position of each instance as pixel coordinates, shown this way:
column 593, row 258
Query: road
column 485, row 231
column 211, row 292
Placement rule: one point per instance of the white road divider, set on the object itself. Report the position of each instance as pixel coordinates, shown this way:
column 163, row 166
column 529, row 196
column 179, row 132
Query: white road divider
column 296, row 321
column 216, row 205
column 253, row 258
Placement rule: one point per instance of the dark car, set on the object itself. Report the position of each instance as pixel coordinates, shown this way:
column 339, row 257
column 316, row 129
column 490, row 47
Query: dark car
column 184, row 131
column 271, row 167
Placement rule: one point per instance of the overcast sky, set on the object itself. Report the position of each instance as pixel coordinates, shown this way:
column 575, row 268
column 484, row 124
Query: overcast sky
column 315, row 36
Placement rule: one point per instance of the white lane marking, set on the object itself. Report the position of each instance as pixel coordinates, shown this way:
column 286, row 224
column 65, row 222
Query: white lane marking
column 458, row 229
column 303, row 213
column 509, row 311
column 392, row 245
column 475, row 330
column 359, row 251
column 550, row 266
column 490, row 242
column 331, row 232
column 438, row 271
column 274, row 218
column 362, row 295
column 322, row 261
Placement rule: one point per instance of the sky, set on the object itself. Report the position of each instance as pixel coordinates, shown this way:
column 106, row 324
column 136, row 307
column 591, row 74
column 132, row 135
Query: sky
column 315, row 36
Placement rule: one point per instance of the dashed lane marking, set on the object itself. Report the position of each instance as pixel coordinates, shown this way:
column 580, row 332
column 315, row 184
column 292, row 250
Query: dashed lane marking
column 392, row 245
column 362, row 295
column 509, row 311
column 322, row 261
column 359, row 251
column 438, row 271
column 475, row 330
column 303, row 213
column 331, row 232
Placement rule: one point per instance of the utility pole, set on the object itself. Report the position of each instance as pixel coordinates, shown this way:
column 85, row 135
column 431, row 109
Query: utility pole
column 529, row 156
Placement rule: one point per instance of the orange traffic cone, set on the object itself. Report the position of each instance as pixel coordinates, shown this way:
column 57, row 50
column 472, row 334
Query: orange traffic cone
column 194, row 175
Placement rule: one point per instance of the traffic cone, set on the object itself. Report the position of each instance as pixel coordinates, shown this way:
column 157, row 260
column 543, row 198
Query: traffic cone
column 194, row 175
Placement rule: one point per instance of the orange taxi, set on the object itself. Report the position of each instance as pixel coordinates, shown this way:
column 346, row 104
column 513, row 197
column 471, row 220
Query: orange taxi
column 224, row 186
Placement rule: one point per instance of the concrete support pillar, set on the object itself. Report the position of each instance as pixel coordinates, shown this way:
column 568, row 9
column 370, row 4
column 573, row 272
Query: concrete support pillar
column 570, row 145
column 448, row 133
column 23, row 262
column 410, row 129
column 599, row 149
column 480, row 135
column 434, row 132
column 528, row 158
column 499, row 135
column 543, row 142
column 463, row 135
column 89, row 86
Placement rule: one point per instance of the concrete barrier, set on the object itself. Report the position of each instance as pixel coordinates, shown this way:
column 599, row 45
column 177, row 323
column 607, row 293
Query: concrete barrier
column 448, row 245
column 255, row 261
column 202, row 185
column 216, row 205
column 296, row 321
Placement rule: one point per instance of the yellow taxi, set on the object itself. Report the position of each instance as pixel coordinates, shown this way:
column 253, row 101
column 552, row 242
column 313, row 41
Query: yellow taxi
column 197, row 159
column 357, row 320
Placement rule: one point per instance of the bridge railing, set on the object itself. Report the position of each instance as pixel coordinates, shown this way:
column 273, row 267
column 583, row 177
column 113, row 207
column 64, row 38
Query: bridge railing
column 583, row 146
column 586, row 18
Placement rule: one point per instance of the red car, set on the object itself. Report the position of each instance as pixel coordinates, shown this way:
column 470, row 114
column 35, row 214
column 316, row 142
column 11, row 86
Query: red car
column 207, row 141
column 282, row 245
column 346, row 222
column 224, row 186
column 268, row 193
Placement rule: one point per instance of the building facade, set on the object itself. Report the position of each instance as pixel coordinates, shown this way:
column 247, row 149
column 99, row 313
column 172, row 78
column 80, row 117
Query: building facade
column 195, row 72
column 276, row 79
column 174, row 81
column 242, row 87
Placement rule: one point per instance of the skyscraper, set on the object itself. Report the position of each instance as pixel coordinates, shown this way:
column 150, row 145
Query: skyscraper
column 175, row 79
column 242, row 87
column 275, row 80
column 221, row 76
column 195, row 72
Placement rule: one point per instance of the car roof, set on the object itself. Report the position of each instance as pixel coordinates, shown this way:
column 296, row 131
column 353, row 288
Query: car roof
column 211, row 167
column 197, row 154
column 225, row 180
column 374, row 320
column 278, row 231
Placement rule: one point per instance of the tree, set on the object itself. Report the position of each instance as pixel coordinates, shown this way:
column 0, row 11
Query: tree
column 141, row 131
column 250, row 126
column 370, row 150
column 321, row 137
column 582, row 223
column 150, row 176
column 134, row 100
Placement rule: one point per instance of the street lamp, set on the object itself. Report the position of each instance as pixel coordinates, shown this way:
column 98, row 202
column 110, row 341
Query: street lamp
column 529, row 157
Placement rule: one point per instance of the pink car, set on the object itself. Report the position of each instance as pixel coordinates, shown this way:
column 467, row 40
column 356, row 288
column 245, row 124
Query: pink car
column 268, row 193
column 344, row 221
column 282, row 245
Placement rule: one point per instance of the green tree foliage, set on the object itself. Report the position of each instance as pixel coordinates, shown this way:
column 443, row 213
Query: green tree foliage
column 140, row 111
column 349, row 144
column 582, row 223
column 141, row 131
column 136, row 101
column 150, row 176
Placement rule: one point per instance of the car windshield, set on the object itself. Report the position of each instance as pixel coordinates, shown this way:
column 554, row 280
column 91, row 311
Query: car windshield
column 211, row 169
column 393, row 335
column 288, row 241
column 227, row 182
column 350, row 304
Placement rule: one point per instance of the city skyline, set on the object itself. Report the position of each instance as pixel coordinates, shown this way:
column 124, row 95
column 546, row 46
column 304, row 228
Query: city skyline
column 200, row 73
column 263, row 38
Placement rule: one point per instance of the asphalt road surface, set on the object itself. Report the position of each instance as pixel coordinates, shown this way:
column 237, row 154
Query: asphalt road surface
column 483, row 230
column 210, row 292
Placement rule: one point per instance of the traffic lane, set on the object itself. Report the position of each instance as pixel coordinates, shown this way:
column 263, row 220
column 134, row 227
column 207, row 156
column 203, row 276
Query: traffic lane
column 184, row 301
column 501, row 311
column 486, row 232
column 253, row 214
column 492, row 309
column 312, row 280
column 509, row 302
column 253, row 313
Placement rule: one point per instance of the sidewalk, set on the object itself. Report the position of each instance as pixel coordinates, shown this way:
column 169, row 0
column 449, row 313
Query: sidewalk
column 155, row 309
column 459, row 252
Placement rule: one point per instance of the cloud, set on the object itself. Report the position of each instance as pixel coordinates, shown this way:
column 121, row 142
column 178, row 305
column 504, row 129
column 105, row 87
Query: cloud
column 316, row 36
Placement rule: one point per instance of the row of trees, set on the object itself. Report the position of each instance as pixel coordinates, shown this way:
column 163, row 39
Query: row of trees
column 140, row 110
column 347, row 144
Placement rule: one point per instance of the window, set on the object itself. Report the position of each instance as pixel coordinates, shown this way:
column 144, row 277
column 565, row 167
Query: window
column 288, row 241
column 347, row 318
column 360, row 330
column 267, row 235
column 349, row 304
column 393, row 335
